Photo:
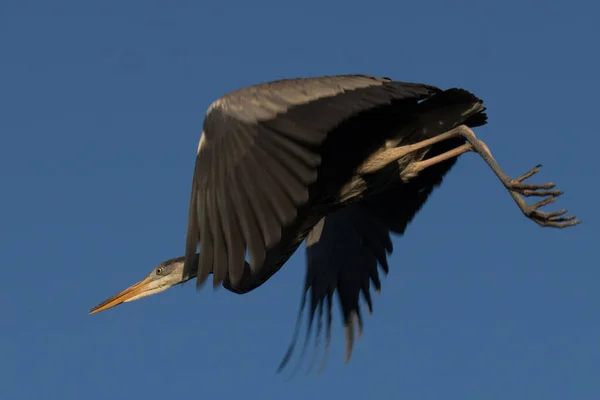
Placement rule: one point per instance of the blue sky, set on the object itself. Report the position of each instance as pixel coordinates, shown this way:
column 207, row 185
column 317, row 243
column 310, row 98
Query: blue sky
column 101, row 107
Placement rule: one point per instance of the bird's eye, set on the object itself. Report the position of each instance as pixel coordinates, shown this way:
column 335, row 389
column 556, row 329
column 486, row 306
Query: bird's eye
column 159, row 271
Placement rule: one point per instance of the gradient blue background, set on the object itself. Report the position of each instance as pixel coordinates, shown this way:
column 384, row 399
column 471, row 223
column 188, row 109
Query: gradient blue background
column 101, row 106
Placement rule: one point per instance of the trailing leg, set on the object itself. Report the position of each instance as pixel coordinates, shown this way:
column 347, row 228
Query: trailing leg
column 516, row 187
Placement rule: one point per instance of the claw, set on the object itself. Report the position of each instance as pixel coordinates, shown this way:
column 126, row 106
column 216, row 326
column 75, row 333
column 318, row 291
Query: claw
column 554, row 219
column 543, row 203
column 563, row 224
column 562, row 219
column 514, row 185
column 541, row 193
column 529, row 173
column 549, row 215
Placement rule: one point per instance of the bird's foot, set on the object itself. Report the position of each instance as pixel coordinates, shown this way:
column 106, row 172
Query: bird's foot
column 554, row 219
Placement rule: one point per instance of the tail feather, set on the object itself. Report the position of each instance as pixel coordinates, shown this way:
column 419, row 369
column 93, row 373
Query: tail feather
column 450, row 108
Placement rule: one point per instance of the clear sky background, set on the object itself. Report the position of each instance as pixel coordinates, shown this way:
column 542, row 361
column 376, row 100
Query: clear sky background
column 101, row 108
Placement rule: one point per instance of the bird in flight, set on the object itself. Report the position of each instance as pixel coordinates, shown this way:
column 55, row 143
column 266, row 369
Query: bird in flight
column 339, row 162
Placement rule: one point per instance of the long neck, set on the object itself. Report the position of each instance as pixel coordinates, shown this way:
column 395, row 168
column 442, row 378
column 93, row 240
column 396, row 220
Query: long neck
column 178, row 264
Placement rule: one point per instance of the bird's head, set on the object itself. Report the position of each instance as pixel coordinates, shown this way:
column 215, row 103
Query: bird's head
column 164, row 276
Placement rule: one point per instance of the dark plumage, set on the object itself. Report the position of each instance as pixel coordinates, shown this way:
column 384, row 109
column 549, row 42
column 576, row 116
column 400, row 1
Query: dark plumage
column 341, row 161
column 277, row 166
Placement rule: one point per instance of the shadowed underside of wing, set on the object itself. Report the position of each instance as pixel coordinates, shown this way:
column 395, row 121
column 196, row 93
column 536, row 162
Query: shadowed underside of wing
column 343, row 251
column 345, row 248
column 258, row 156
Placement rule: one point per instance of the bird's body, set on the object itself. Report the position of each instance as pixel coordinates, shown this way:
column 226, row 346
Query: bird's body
column 300, row 162
column 340, row 162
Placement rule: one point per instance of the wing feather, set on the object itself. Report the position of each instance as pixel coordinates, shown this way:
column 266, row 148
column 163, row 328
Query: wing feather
column 282, row 174
column 258, row 157
column 248, row 221
column 346, row 248
column 301, row 161
column 342, row 256
column 205, row 260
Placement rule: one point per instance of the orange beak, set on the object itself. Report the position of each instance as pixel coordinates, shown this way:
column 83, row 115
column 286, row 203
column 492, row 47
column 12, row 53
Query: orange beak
column 122, row 297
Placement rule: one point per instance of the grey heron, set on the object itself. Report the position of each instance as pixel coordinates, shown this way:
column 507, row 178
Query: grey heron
column 341, row 162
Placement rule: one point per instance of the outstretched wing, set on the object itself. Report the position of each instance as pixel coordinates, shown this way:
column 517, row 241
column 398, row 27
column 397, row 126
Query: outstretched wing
column 344, row 250
column 257, row 157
